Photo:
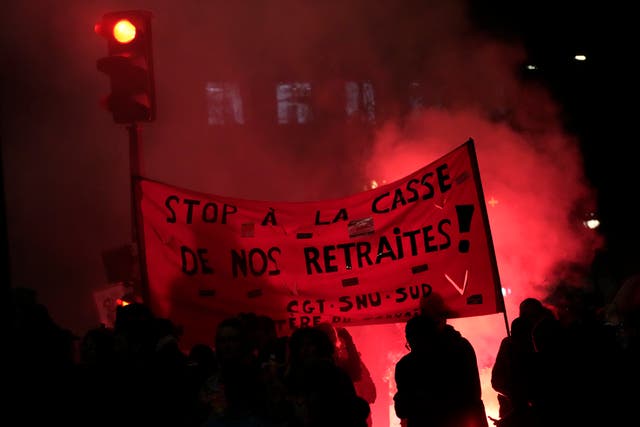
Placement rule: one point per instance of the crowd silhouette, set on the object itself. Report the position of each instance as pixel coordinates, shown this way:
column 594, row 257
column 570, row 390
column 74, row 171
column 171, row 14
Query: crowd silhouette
column 567, row 361
column 568, row 364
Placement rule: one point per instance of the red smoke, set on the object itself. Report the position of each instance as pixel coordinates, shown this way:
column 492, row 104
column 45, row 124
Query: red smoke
column 535, row 183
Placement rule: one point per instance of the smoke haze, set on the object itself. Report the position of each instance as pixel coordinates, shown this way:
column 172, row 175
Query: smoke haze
column 66, row 164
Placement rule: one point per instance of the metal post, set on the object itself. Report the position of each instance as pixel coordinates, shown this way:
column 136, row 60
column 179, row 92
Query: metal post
column 136, row 170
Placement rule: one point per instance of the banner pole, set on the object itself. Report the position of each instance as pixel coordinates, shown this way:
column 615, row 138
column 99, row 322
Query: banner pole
column 483, row 209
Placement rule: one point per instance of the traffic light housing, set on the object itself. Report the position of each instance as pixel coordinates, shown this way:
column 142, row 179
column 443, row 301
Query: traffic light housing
column 129, row 65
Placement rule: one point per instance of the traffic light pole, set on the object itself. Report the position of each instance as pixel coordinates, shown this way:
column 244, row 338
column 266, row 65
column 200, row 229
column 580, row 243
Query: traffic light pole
column 129, row 65
column 136, row 171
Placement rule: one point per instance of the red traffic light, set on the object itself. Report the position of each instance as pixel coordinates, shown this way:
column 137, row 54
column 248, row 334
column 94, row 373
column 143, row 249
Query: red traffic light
column 129, row 65
column 124, row 31
column 121, row 30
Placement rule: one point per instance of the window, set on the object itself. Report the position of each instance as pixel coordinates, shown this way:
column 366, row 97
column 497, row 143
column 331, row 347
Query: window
column 416, row 96
column 360, row 101
column 224, row 104
column 294, row 102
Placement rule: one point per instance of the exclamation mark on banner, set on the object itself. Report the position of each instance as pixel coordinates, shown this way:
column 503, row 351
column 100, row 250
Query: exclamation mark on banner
column 465, row 212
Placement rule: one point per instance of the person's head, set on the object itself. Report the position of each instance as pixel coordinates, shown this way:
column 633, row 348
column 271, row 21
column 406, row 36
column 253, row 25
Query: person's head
column 530, row 308
column 418, row 332
column 97, row 346
column 330, row 331
column 201, row 354
column 520, row 326
column 266, row 330
column 231, row 343
column 134, row 318
column 202, row 357
column 310, row 343
column 434, row 307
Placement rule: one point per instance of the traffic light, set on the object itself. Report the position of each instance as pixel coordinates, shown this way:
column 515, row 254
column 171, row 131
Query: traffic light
column 129, row 65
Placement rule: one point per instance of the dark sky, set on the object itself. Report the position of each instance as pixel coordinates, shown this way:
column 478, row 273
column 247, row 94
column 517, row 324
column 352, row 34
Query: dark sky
column 597, row 102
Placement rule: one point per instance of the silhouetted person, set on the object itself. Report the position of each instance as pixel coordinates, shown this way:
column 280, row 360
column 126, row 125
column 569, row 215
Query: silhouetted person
column 438, row 382
column 587, row 356
column 98, row 376
column 235, row 392
column 40, row 364
column 270, row 349
column 169, row 382
column 134, row 335
column 323, row 393
column 202, row 364
column 271, row 354
column 348, row 358
column 626, row 307
column 511, row 375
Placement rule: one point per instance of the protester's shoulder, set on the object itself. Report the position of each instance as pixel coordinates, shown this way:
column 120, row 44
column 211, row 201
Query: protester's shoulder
column 455, row 337
column 406, row 360
column 451, row 333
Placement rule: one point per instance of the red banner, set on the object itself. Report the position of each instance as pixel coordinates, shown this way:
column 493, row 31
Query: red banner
column 364, row 259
